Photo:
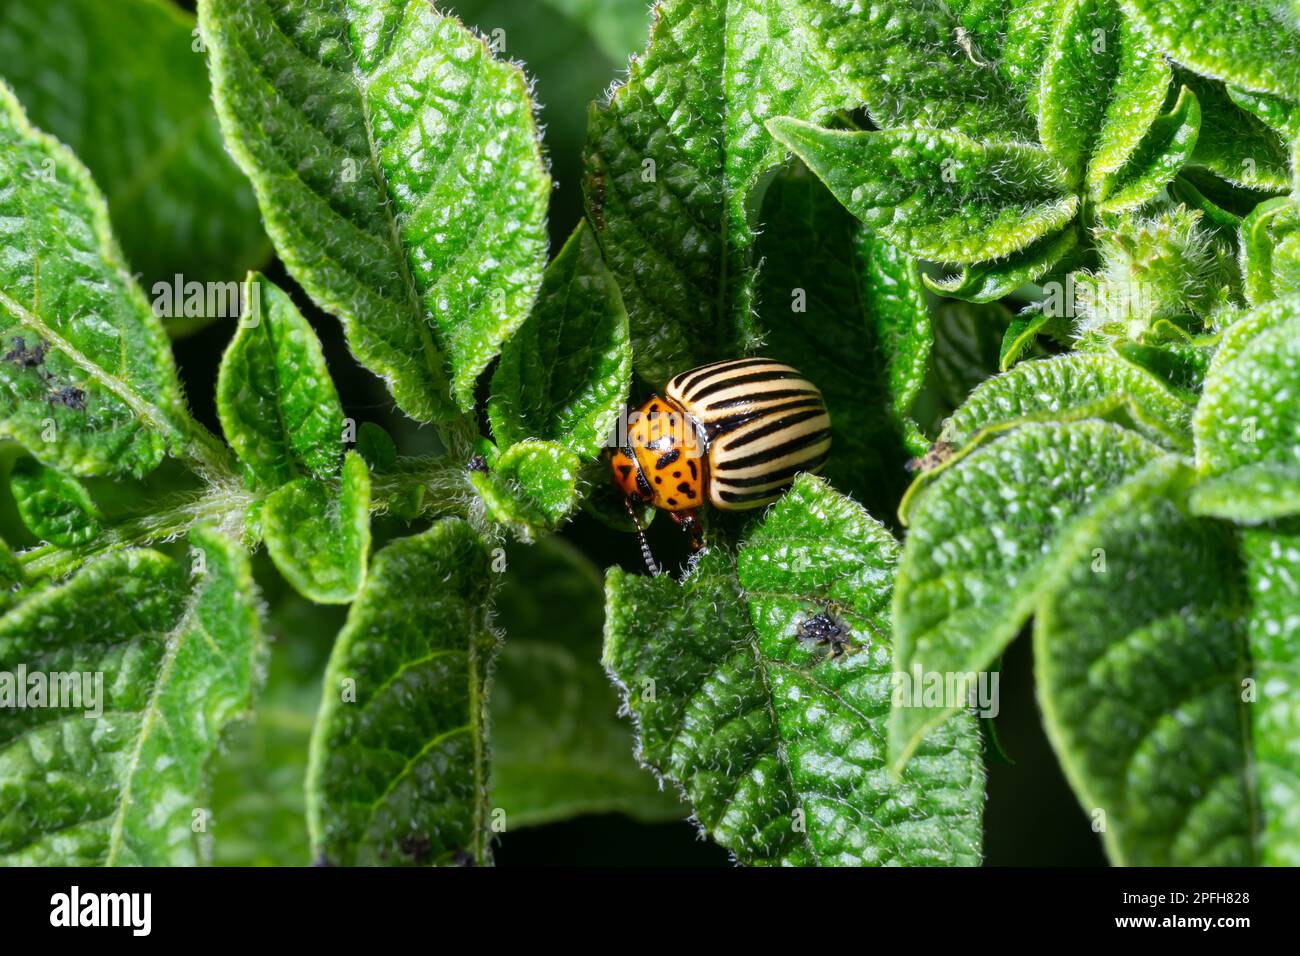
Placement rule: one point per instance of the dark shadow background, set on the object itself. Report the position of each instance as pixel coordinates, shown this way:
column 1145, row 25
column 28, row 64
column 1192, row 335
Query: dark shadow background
column 1031, row 817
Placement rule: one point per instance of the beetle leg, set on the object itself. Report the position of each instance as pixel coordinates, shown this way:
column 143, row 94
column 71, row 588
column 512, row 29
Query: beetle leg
column 690, row 523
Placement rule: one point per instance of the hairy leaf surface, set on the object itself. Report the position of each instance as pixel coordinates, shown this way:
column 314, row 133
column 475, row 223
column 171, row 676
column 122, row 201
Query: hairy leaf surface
column 672, row 159
column 936, row 193
column 984, row 545
column 318, row 532
column 1140, row 659
column 566, row 373
column 398, row 772
column 778, row 743
column 178, row 662
column 276, row 400
column 87, row 382
column 397, row 166
column 847, row 309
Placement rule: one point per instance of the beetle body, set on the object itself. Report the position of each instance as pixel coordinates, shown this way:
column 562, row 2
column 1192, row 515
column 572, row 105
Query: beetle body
column 732, row 434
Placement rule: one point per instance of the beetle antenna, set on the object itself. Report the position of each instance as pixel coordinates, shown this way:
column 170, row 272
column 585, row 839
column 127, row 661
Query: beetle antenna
column 640, row 533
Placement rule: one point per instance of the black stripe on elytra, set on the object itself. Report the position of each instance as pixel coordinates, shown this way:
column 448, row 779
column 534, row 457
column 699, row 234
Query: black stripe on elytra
column 667, row 459
column 771, row 375
column 695, row 471
column 775, row 452
column 727, row 425
column 688, row 380
column 756, row 397
column 808, row 464
column 773, row 428
column 735, row 497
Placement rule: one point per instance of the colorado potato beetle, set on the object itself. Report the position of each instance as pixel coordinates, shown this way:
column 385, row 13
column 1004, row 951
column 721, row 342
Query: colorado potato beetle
column 732, row 435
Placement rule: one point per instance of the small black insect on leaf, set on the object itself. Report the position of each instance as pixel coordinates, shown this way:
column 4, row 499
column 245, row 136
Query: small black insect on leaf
column 24, row 357
column 478, row 463
column 822, row 629
column 69, row 396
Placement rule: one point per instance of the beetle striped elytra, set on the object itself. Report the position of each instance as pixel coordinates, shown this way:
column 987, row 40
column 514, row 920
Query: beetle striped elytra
column 732, row 434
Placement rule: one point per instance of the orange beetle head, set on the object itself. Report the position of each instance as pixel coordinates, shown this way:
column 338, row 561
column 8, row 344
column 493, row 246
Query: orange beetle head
column 663, row 461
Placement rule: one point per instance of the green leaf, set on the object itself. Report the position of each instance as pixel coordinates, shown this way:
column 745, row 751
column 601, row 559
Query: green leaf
column 318, row 532
column 1272, row 559
column 778, row 742
column 1248, row 418
column 55, row 507
column 1101, row 89
column 531, row 488
column 1252, row 494
column 1071, row 387
column 398, row 169
column 977, row 562
column 846, row 309
column 558, row 746
column 996, row 279
column 123, row 87
column 1270, row 250
column 1246, row 42
column 275, row 397
column 1280, row 114
column 398, row 770
column 565, row 375
column 917, row 64
column 1168, row 145
column 259, row 801
column 1024, row 331
column 1235, row 144
column 177, row 663
column 88, row 383
column 936, row 193
column 1140, row 660
column 671, row 161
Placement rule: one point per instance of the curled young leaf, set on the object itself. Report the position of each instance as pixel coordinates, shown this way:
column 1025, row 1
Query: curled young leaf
column 318, row 532
column 276, row 400
column 531, row 488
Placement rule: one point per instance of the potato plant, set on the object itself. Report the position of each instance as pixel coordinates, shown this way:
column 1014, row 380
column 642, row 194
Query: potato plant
column 315, row 335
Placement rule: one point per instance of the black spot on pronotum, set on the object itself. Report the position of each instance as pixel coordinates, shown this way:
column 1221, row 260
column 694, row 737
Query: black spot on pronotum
column 625, row 470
